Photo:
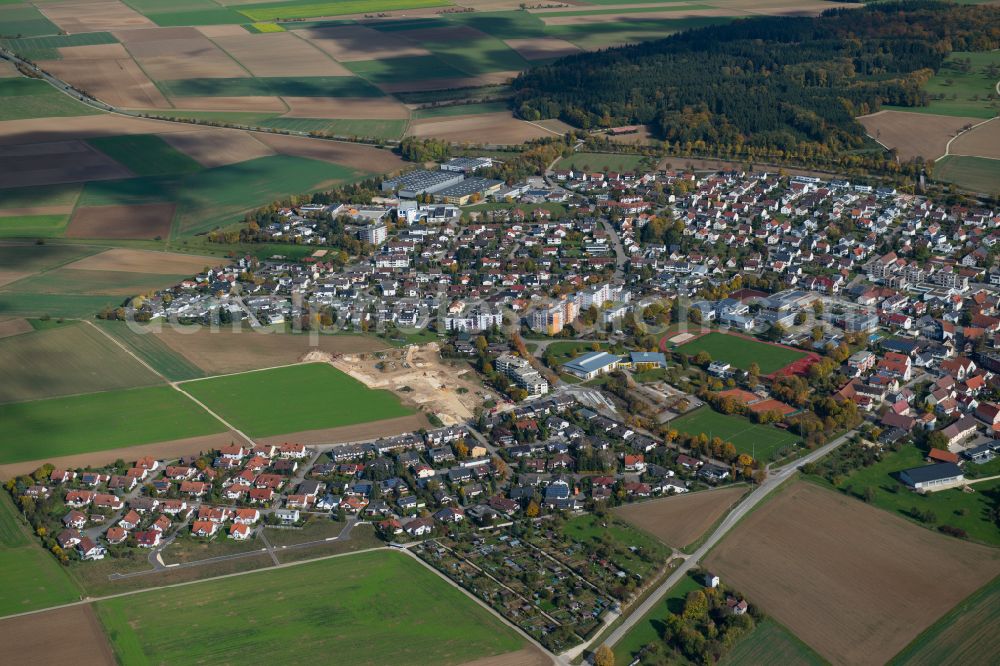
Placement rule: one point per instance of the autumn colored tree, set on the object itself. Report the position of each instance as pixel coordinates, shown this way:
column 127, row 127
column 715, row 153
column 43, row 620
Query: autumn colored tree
column 604, row 656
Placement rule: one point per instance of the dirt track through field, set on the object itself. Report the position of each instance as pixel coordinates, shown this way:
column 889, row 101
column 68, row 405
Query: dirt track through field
column 854, row 582
column 71, row 635
column 678, row 521
column 161, row 451
column 914, row 134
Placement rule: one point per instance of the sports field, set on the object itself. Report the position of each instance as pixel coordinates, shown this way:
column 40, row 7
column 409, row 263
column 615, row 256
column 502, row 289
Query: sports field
column 765, row 442
column 371, row 608
column 99, row 421
column 29, row 576
column 310, row 396
column 65, row 359
column 740, row 352
column 968, row 632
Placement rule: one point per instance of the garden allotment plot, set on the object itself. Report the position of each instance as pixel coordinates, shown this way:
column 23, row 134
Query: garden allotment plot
column 294, row 398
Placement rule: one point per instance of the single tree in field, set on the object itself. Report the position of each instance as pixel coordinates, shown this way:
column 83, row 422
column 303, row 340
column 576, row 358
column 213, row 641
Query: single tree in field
column 603, row 656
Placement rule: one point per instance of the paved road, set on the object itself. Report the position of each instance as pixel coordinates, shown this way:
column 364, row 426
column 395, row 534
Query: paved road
column 616, row 243
column 775, row 479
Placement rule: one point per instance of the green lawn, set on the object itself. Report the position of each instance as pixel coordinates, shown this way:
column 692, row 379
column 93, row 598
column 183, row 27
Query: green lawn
column 301, row 397
column 99, row 421
column 966, row 94
column 564, row 351
column 146, row 154
column 294, row 86
column 365, row 609
column 66, row 359
column 29, row 576
column 601, row 162
column 765, row 442
column 741, row 352
column 650, row 627
column 309, row 9
column 33, row 226
column 30, row 98
column 968, row 511
column 154, row 352
column 966, row 635
column 978, row 174
column 771, row 643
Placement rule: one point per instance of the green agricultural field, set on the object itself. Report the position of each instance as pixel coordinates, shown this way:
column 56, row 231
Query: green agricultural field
column 771, row 643
column 397, row 70
column 33, row 226
column 71, row 281
column 298, row 9
column 150, row 349
column 292, row 86
column 47, row 48
column 27, row 304
column 966, row 85
column 968, row 511
column 99, row 421
column 146, row 155
column 24, row 21
column 380, row 129
column 602, row 162
column 42, row 195
column 186, row 12
column 30, row 98
column 650, row 627
column 66, row 359
column 300, row 397
column 32, row 258
column 979, row 174
column 965, row 635
column 29, row 576
column 477, row 56
column 741, row 352
column 763, row 441
column 461, row 110
column 504, row 25
column 369, row 608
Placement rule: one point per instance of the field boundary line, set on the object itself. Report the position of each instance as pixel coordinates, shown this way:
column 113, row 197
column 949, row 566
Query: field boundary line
column 126, row 350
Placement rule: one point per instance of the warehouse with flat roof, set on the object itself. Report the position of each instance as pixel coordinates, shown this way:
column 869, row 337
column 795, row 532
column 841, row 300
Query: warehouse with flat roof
column 415, row 183
column 461, row 193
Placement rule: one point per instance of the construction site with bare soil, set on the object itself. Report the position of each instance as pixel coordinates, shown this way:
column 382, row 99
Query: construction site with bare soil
column 450, row 389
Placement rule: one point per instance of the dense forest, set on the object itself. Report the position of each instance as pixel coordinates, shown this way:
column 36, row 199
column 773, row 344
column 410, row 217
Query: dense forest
column 791, row 84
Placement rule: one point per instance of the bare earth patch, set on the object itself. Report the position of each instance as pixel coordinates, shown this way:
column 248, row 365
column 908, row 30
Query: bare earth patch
column 118, row 81
column 680, row 520
column 914, row 134
column 43, row 638
column 854, row 582
column 141, row 221
column 225, row 351
column 529, row 656
column 280, row 54
column 542, row 48
column 352, row 433
column 217, row 147
column 162, row 450
column 355, row 42
column 11, row 327
column 354, row 155
column 346, row 107
column 213, row 31
column 144, row 261
column 56, row 162
column 984, row 141
column 7, row 69
column 93, row 15
column 179, row 53
column 6, row 277
column 494, row 128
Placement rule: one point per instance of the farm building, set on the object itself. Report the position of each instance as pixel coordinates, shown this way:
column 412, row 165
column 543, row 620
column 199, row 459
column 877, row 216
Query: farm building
column 933, row 477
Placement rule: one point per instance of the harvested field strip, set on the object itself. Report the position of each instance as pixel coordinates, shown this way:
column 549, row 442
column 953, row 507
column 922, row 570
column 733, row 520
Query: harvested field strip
column 680, row 520
column 49, row 163
column 17, row 326
column 68, row 359
column 914, row 134
column 303, row 86
column 301, row 397
column 143, row 221
column 963, row 636
column 848, row 579
column 47, row 48
column 308, row 9
column 99, row 421
column 40, row 638
column 145, row 154
column 396, row 611
column 146, row 261
column 150, row 349
column 30, row 576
